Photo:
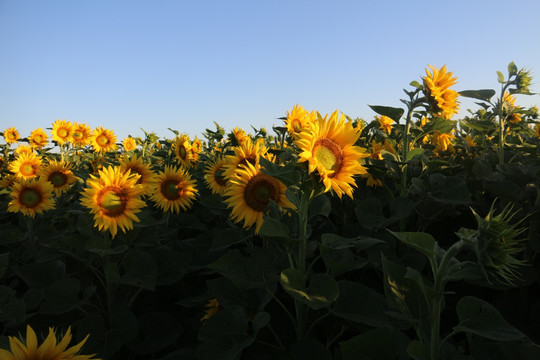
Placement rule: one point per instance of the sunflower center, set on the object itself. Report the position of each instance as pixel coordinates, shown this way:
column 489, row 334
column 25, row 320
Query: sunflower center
column 11, row 136
column 218, row 177
column 58, row 179
column 328, row 153
column 172, row 189
column 112, row 200
column 27, row 169
column 259, row 190
column 76, row 135
column 102, row 140
column 38, row 138
column 62, row 132
column 30, row 198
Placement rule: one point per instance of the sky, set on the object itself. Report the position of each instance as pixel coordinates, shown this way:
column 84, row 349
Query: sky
column 183, row 65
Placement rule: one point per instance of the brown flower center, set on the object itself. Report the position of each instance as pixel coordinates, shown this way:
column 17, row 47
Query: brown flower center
column 172, row 189
column 328, row 153
column 259, row 190
column 112, row 200
column 58, row 179
column 30, row 198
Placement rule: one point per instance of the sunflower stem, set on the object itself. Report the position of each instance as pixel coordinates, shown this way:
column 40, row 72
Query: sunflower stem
column 301, row 261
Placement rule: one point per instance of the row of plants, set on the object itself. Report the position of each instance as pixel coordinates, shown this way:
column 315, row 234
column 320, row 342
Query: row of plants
column 409, row 236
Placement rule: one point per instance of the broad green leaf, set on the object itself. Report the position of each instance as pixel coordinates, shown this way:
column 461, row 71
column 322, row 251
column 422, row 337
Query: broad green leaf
column 4, row 263
column 500, row 77
column 483, row 94
column 414, row 152
column 479, row 317
column 321, row 291
column 512, row 69
column 320, row 205
column 360, row 303
column 41, row 275
column 392, row 112
column 61, row 297
column 157, row 331
column 439, row 124
column 309, row 349
column 383, row 343
column 418, row 350
column 171, row 265
column 423, row 242
column 449, row 189
column 227, row 237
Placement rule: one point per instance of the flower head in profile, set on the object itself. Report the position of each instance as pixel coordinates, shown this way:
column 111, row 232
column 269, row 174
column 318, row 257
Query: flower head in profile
column 38, row 138
column 442, row 141
column 299, row 119
column 51, row 348
column 213, row 176
column 114, row 199
column 31, row 197
column 182, row 150
column 11, row 135
column 510, row 107
column 26, row 165
column 81, row 135
column 212, row 308
column 249, row 192
column 385, row 123
column 61, row 131
column 174, row 190
column 329, row 149
column 136, row 165
column 238, row 136
column 59, row 174
column 103, row 140
column 442, row 99
column 23, row 149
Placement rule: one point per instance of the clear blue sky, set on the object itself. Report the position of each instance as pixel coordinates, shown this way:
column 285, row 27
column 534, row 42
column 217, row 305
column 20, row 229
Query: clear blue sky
column 164, row 64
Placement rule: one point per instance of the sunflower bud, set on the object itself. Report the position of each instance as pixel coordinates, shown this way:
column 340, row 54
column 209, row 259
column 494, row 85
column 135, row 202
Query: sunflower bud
column 523, row 81
column 496, row 243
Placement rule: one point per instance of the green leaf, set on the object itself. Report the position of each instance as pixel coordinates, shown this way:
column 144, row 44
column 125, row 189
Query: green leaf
column 439, row 124
column 383, row 343
column 416, row 84
column 500, row 77
column 361, row 304
column 423, row 242
column 512, row 69
column 449, row 189
column 414, row 152
column 392, row 112
column 171, row 265
column 320, row 205
column 61, row 297
column 321, row 291
column 41, row 275
column 227, row 237
column 157, row 331
column 139, row 269
column 418, row 350
column 483, row 94
column 479, row 317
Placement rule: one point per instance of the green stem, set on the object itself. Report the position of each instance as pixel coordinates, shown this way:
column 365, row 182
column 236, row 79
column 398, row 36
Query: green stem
column 436, row 304
column 301, row 262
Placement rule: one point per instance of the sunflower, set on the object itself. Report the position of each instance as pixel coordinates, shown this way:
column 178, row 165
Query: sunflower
column 243, row 154
column 61, row 131
column 213, row 307
column 510, row 100
column 442, row 141
column 103, row 140
column 11, row 135
column 213, row 176
column 23, row 149
column 129, row 144
column 249, row 192
column 31, row 197
column 442, row 99
column 329, row 148
column 59, row 174
column 48, row 350
column 136, row 165
column 81, row 135
column 174, row 190
column 7, row 181
column 38, row 138
column 182, row 150
column 26, row 165
column 238, row 136
column 114, row 199
column 299, row 119
column 385, row 123
column 196, row 148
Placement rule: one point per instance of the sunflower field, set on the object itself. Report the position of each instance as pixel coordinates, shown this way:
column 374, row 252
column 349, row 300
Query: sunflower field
column 409, row 236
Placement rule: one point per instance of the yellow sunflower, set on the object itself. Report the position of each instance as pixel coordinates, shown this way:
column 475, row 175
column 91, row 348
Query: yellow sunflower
column 442, row 141
column 213, row 307
column 196, row 148
column 129, row 144
column 81, row 135
column 442, row 99
column 248, row 193
column 59, row 174
column 136, row 165
column 385, row 123
column 299, row 119
column 103, row 140
column 114, row 199
column 61, row 131
column 31, row 197
column 329, row 148
column 243, row 154
column 23, row 149
column 513, row 117
column 26, row 165
column 38, row 138
column 7, row 181
column 11, row 135
column 238, row 136
column 48, row 350
column 174, row 190
column 182, row 150
column 213, row 176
